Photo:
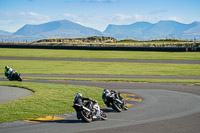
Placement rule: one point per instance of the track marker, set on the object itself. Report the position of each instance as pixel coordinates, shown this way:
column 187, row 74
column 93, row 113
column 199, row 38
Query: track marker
column 47, row 118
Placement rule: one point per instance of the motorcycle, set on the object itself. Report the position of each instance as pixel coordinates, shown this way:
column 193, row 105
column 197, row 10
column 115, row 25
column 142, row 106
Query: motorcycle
column 87, row 112
column 115, row 101
column 14, row 76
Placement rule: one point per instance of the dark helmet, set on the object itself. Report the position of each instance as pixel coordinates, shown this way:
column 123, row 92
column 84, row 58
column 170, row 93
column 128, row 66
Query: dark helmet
column 105, row 90
column 6, row 67
column 78, row 95
column 112, row 91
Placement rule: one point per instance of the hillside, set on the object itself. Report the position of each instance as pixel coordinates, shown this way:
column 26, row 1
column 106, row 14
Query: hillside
column 92, row 39
column 139, row 31
column 162, row 29
column 62, row 28
column 4, row 32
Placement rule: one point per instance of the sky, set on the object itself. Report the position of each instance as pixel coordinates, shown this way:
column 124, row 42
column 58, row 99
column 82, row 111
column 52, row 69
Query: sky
column 97, row 14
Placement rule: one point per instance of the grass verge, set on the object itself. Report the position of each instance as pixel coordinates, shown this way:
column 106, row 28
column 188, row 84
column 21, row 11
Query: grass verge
column 105, row 68
column 49, row 53
column 48, row 99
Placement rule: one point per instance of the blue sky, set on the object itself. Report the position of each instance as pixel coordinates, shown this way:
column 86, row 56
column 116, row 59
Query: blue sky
column 95, row 13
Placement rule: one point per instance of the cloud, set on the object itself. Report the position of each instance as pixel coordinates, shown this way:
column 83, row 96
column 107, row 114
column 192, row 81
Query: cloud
column 139, row 17
column 129, row 19
column 22, row 13
column 68, row 15
column 19, row 19
column 74, row 18
column 100, row 1
column 175, row 19
column 124, row 18
column 154, row 12
column 121, row 16
column 33, row 15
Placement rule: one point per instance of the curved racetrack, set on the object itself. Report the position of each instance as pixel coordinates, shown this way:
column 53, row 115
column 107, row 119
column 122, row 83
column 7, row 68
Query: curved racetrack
column 166, row 108
column 11, row 93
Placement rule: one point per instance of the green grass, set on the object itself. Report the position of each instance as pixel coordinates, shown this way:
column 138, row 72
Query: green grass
column 48, row 99
column 109, row 68
column 8, row 52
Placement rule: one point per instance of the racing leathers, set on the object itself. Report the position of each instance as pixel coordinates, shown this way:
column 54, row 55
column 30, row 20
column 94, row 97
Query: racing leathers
column 8, row 72
column 79, row 99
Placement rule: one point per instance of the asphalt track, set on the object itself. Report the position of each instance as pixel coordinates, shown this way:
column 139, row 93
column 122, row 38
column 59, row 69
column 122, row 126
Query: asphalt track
column 166, row 108
column 104, row 60
column 12, row 93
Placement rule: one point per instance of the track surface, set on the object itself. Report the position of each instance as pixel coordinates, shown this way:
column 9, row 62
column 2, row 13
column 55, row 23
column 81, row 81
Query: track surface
column 104, row 60
column 166, row 108
column 112, row 76
column 11, row 93
column 161, row 105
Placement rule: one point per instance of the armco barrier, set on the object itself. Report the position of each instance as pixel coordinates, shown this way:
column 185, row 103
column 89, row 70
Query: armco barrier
column 117, row 48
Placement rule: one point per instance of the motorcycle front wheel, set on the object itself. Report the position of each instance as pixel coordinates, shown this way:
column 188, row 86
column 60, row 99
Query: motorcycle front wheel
column 103, row 116
column 19, row 78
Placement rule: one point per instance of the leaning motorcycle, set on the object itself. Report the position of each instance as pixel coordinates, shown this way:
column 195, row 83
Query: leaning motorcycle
column 116, row 102
column 14, row 76
column 87, row 112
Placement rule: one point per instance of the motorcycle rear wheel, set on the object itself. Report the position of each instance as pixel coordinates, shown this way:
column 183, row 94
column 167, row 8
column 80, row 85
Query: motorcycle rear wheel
column 116, row 106
column 85, row 116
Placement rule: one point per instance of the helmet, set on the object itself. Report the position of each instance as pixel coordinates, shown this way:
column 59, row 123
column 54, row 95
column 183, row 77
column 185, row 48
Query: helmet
column 113, row 91
column 6, row 67
column 78, row 95
column 106, row 91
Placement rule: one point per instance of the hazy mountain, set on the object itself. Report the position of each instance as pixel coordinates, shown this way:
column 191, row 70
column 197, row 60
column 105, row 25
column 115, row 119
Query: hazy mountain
column 194, row 29
column 4, row 32
column 162, row 29
column 62, row 28
column 135, row 28
column 138, row 31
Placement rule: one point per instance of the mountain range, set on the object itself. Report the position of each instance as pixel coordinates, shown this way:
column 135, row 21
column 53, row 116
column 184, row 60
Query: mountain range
column 162, row 29
column 4, row 32
column 138, row 31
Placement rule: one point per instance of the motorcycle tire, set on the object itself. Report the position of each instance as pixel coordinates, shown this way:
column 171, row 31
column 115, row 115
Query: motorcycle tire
column 116, row 106
column 18, row 77
column 85, row 117
column 125, row 106
column 103, row 116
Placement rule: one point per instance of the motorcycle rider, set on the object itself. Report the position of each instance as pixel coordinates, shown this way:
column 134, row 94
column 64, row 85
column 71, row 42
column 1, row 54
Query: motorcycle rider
column 106, row 93
column 8, row 72
column 79, row 99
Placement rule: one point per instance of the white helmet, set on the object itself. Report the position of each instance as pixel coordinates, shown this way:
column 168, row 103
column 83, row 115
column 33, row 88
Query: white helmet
column 79, row 95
